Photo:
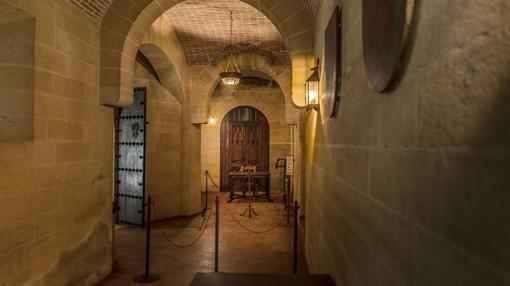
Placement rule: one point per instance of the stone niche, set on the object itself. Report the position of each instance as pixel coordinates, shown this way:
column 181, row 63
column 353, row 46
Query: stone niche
column 17, row 46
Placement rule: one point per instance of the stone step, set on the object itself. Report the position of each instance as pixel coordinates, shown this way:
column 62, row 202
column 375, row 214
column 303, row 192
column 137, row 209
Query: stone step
column 261, row 279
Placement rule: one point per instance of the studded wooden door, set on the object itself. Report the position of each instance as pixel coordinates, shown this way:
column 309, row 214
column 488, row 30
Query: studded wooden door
column 244, row 142
column 130, row 145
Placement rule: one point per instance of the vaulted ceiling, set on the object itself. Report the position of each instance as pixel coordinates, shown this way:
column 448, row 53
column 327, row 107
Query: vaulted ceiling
column 203, row 27
column 97, row 8
column 93, row 8
column 312, row 7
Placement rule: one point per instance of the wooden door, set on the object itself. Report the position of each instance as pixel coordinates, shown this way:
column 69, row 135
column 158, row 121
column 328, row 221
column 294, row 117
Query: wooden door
column 130, row 143
column 244, row 142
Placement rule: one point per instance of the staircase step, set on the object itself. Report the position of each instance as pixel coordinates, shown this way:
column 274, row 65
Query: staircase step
column 261, row 279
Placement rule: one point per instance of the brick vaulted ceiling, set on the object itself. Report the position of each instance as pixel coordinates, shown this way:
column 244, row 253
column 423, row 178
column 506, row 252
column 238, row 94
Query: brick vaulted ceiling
column 312, row 7
column 93, row 8
column 204, row 27
column 97, row 8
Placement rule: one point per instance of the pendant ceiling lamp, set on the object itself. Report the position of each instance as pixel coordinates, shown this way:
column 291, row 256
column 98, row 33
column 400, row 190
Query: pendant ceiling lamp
column 232, row 75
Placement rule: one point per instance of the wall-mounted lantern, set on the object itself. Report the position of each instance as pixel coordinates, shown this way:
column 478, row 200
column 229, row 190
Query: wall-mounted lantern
column 312, row 89
column 211, row 120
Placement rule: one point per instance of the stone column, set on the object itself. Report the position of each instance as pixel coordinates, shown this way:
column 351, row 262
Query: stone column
column 191, row 161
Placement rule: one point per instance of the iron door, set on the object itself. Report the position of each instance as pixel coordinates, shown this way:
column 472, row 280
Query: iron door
column 131, row 161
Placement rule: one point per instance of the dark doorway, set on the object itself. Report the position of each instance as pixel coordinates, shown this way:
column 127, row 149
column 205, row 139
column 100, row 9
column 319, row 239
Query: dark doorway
column 130, row 143
column 244, row 142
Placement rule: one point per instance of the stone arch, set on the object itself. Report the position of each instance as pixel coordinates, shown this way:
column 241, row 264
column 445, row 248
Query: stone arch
column 269, row 113
column 165, row 69
column 208, row 78
column 270, row 105
column 125, row 23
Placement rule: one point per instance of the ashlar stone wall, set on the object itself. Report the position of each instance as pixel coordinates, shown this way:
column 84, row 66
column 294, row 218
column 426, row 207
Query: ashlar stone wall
column 17, row 52
column 269, row 100
column 56, row 188
column 411, row 187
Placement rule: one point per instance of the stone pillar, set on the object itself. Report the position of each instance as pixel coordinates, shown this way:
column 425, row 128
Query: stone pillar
column 191, row 158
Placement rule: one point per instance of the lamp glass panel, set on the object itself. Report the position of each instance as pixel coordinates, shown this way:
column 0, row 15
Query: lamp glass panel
column 230, row 81
column 312, row 92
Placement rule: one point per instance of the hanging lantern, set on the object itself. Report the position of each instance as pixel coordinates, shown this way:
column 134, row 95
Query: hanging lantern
column 312, row 89
column 231, row 77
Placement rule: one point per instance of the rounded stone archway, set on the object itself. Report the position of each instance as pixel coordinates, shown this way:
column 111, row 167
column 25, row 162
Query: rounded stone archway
column 125, row 23
column 206, row 79
column 165, row 69
column 269, row 100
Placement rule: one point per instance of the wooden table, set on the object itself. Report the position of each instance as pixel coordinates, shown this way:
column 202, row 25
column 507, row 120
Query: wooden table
column 242, row 184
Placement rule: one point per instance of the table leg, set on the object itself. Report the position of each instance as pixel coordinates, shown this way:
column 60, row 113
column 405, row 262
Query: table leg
column 231, row 188
column 268, row 189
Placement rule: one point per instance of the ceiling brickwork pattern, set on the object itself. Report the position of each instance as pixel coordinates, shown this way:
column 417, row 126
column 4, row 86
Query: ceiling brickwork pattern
column 97, row 8
column 93, row 8
column 203, row 27
column 312, row 7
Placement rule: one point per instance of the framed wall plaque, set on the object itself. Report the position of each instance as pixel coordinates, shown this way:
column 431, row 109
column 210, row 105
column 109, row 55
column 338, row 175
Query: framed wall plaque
column 386, row 25
column 332, row 64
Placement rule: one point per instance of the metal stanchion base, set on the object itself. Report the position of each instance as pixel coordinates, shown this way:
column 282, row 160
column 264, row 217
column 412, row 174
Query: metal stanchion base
column 204, row 211
column 250, row 210
column 152, row 277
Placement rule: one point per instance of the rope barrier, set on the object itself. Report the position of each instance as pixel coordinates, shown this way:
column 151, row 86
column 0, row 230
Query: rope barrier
column 238, row 184
column 203, row 227
column 249, row 229
column 255, row 231
column 213, row 182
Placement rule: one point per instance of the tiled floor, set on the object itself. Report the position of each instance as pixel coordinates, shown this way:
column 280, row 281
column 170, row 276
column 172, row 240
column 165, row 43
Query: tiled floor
column 240, row 249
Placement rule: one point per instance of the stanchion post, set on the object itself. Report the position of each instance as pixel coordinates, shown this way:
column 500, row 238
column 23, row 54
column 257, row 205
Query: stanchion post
column 147, row 277
column 216, row 234
column 148, row 237
column 206, row 189
column 296, row 218
column 206, row 208
column 288, row 199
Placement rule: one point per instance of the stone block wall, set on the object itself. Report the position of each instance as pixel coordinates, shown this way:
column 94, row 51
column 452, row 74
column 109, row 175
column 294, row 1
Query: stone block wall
column 17, row 52
column 410, row 187
column 56, row 188
column 163, row 151
column 270, row 101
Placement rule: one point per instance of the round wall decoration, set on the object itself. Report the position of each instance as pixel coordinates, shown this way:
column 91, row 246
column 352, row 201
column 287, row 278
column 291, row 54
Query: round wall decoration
column 386, row 25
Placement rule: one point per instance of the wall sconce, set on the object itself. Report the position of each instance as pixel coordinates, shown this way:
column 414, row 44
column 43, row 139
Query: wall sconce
column 312, row 89
column 211, row 120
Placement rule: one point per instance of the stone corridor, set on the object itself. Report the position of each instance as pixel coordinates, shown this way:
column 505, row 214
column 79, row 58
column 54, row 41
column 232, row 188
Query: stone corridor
column 241, row 251
column 387, row 121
